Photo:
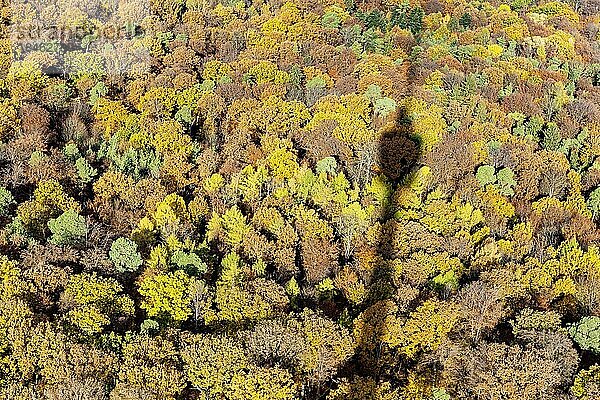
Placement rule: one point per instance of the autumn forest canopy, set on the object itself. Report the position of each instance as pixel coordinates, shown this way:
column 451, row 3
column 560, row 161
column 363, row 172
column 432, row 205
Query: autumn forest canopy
column 320, row 199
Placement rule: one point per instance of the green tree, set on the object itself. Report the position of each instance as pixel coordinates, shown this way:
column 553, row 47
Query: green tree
column 385, row 106
column 49, row 200
column 124, row 254
column 593, row 202
column 189, row 262
column 67, row 229
column 506, row 181
column 586, row 333
column 85, row 171
column 465, row 20
column 486, row 174
column 6, row 201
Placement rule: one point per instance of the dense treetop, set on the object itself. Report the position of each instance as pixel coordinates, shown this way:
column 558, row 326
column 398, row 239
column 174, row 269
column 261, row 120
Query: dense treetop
column 322, row 199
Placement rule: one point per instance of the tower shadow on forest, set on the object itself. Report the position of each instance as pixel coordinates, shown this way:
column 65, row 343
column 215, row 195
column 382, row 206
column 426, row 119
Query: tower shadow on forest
column 399, row 154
